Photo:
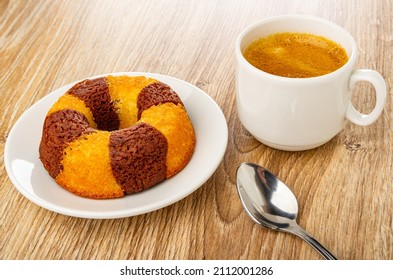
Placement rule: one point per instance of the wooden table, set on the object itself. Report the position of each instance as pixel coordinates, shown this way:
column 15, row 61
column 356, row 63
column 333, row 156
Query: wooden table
column 344, row 188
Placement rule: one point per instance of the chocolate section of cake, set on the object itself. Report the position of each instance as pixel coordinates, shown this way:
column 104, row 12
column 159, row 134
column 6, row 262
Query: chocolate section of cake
column 155, row 94
column 60, row 128
column 95, row 94
column 138, row 157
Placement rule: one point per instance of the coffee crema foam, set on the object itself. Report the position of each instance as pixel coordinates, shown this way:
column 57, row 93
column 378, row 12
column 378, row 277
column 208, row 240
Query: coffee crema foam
column 296, row 55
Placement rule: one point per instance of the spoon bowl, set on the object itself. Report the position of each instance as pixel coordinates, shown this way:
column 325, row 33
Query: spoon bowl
column 270, row 203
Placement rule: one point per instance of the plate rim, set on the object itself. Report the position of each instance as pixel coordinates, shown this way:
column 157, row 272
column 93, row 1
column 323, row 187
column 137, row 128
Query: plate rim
column 120, row 213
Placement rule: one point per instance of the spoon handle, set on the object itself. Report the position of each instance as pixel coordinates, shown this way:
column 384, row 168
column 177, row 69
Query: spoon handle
column 315, row 244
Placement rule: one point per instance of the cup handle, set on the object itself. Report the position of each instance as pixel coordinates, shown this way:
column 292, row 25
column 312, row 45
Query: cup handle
column 379, row 85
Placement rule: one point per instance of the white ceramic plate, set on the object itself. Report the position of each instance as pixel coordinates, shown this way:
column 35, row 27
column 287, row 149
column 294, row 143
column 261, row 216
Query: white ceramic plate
column 29, row 176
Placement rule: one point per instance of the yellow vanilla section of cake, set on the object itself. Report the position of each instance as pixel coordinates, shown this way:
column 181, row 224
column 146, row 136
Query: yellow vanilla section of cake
column 68, row 101
column 86, row 167
column 173, row 121
column 296, row 55
column 124, row 91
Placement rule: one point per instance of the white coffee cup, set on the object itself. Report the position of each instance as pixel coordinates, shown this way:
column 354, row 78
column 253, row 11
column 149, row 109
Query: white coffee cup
column 301, row 113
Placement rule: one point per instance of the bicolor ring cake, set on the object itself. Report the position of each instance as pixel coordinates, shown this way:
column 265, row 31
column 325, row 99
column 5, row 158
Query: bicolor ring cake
column 116, row 135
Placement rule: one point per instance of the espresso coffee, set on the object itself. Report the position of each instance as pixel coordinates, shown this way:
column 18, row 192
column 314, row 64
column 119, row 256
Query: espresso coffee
column 296, row 55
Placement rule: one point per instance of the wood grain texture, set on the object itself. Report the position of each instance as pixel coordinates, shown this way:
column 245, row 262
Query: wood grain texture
column 344, row 188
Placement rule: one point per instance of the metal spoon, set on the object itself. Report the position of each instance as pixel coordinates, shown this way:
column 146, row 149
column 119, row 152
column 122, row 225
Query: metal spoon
column 270, row 203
